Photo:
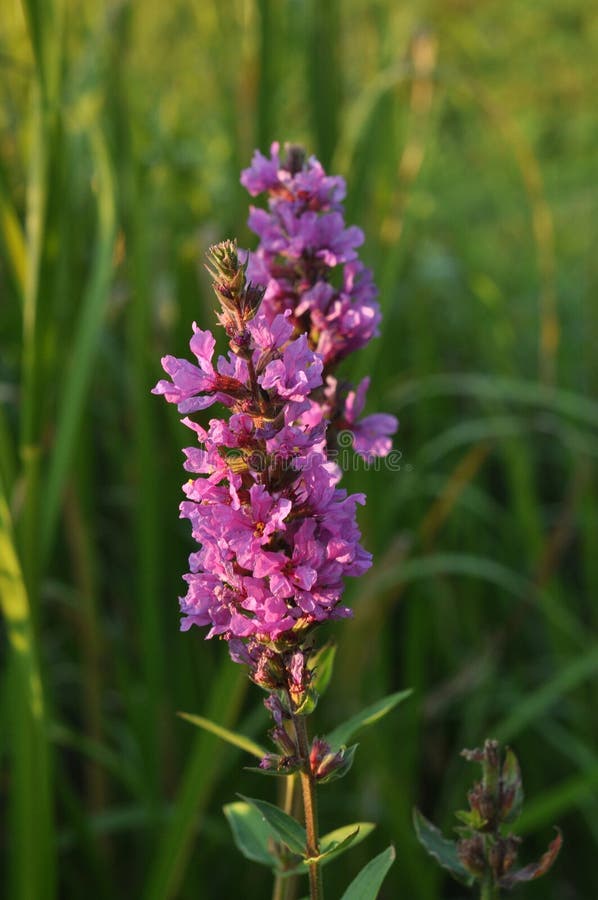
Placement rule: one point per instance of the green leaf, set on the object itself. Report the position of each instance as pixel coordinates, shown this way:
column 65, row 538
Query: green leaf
column 334, row 844
column 441, row 849
column 368, row 882
column 271, row 773
column 231, row 737
column 288, row 830
column 472, row 818
column 348, row 757
column 343, row 733
column 85, row 343
column 321, row 665
column 511, row 788
column 309, row 702
column 252, row 835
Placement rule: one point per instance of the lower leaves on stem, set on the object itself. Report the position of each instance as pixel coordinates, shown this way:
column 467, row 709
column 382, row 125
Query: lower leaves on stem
column 271, row 836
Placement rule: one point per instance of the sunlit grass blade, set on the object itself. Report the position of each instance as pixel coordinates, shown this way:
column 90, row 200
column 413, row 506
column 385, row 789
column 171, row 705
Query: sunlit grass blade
column 13, row 238
column 79, row 368
column 488, row 388
column 32, row 857
column 225, row 734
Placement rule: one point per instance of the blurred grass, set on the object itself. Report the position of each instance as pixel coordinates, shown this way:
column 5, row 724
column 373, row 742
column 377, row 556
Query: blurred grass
column 467, row 134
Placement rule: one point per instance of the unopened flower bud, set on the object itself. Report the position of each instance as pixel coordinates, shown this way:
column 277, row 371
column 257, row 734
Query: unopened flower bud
column 270, row 761
column 284, row 740
column 471, row 854
column 299, row 679
column 295, row 158
column 254, row 294
column 502, row 855
column 326, row 764
column 274, row 706
column 511, row 848
column 319, row 749
column 269, row 672
column 224, row 258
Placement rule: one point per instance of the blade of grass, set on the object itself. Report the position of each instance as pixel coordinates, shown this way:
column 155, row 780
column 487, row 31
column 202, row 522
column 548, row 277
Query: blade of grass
column 494, row 387
column 540, row 701
column 32, row 862
column 560, row 799
column 267, row 61
column 324, row 75
column 13, row 238
column 29, row 424
column 176, row 846
column 85, row 343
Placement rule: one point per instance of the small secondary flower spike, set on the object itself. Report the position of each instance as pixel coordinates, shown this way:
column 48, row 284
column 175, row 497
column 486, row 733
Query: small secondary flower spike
column 486, row 852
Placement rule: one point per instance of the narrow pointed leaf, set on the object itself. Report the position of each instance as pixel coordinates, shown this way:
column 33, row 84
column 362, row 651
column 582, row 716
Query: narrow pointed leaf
column 368, row 882
column 270, row 773
column 534, row 870
column 231, row 737
column 334, row 844
column 441, row 849
column 357, row 832
column 82, row 353
column 511, row 788
column 322, row 664
column 287, row 829
column 343, row 733
column 251, row 833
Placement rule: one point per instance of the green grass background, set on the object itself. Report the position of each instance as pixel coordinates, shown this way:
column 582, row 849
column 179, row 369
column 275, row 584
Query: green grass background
column 467, row 132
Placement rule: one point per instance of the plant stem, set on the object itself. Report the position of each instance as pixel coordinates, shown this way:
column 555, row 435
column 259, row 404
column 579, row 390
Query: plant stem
column 310, row 808
column 282, row 886
column 489, row 891
column 278, row 892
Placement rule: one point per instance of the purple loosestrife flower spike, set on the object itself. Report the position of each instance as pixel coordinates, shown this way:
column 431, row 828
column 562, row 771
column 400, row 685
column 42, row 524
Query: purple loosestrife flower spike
column 303, row 243
column 275, row 534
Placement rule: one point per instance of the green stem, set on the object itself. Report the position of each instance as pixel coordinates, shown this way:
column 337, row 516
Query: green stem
column 278, row 892
column 310, row 808
column 489, row 891
column 282, row 886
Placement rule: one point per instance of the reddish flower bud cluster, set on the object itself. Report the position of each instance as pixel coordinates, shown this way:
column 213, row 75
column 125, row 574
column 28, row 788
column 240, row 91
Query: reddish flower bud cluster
column 485, row 850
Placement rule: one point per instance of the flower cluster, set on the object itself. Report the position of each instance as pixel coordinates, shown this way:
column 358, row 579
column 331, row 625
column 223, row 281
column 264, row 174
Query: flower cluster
column 305, row 250
column 276, row 534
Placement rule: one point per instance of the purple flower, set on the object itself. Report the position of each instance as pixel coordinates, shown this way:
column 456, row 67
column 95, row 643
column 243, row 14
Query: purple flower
column 296, row 373
column 263, row 174
column 371, row 435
